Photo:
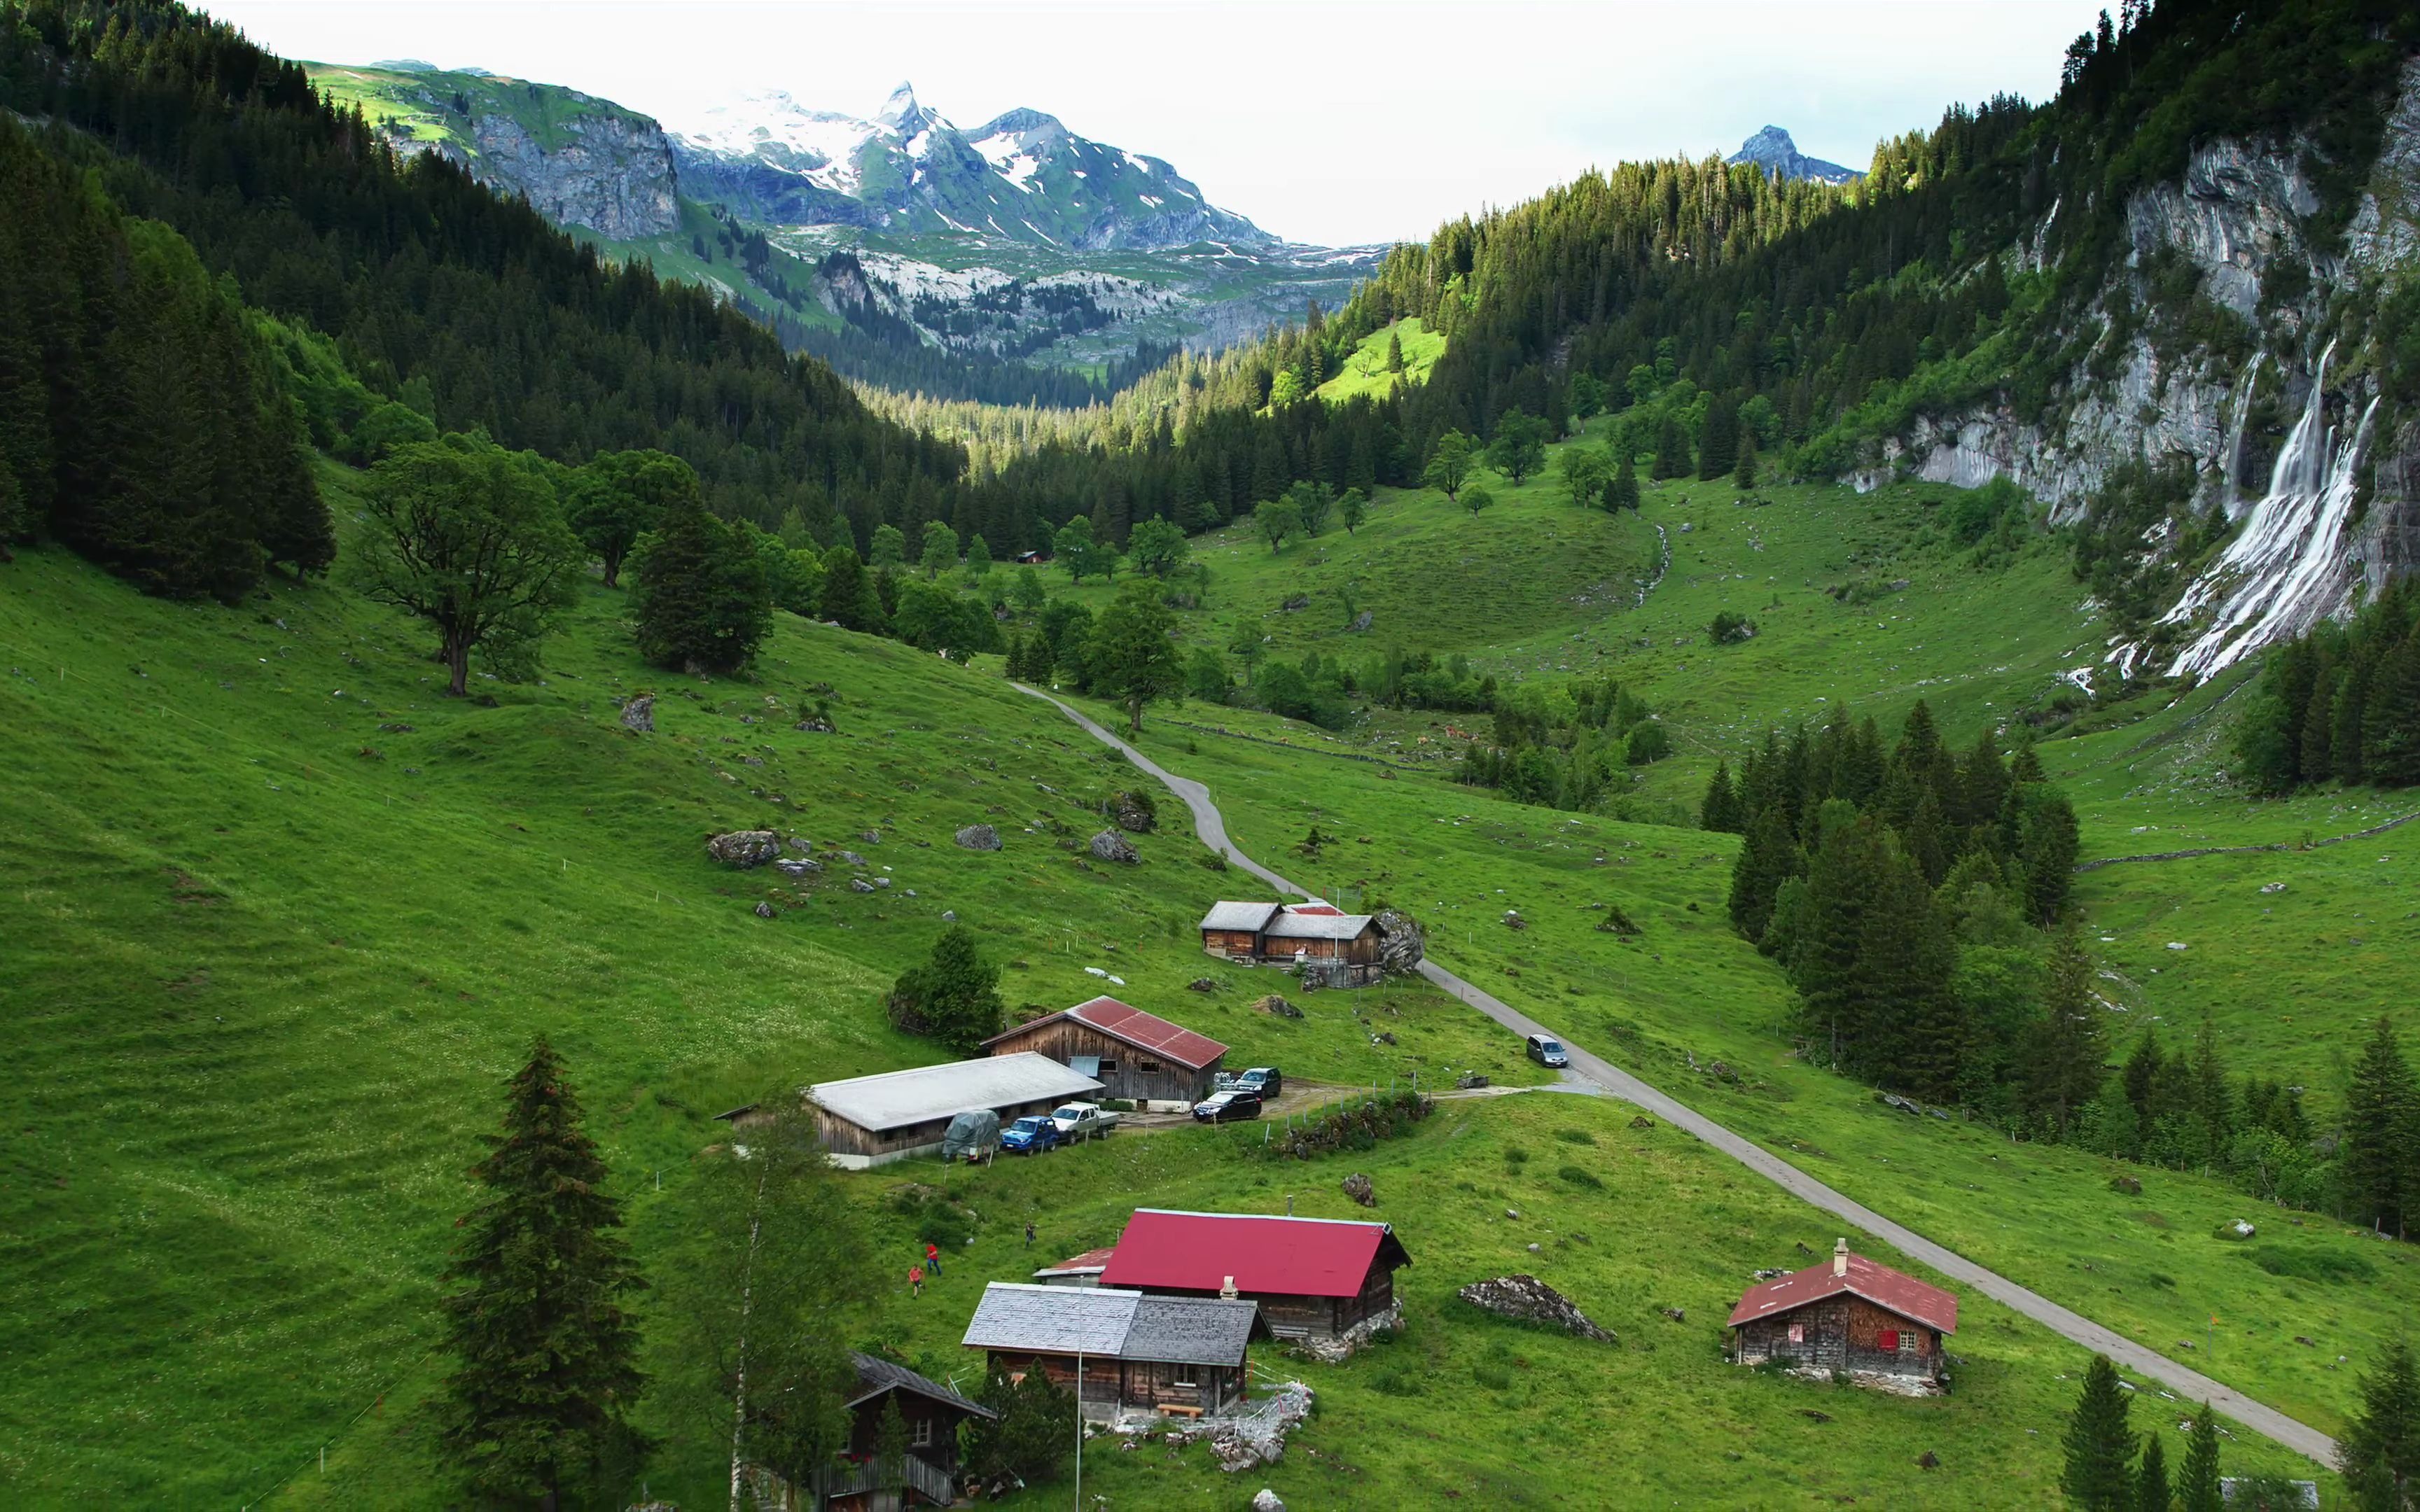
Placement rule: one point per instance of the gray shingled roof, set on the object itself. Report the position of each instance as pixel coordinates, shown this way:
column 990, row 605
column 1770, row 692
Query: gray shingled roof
column 876, row 1376
column 1125, row 1325
column 1054, row 1319
column 1293, row 926
column 1238, row 916
column 921, row 1094
column 1191, row 1330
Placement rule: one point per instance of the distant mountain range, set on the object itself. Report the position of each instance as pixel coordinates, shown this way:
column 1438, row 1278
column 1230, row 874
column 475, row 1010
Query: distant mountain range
column 1023, row 176
column 1773, row 151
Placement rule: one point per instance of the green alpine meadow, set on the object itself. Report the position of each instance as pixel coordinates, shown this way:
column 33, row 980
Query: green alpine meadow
column 716, row 799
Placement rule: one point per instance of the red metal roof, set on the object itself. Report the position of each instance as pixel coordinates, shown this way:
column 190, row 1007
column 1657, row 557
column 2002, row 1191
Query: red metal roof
column 1892, row 1291
column 1129, row 1024
column 1325, row 909
column 1289, row 1256
column 1091, row 1260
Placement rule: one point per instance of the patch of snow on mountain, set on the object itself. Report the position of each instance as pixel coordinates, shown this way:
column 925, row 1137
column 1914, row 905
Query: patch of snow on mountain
column 777, row 131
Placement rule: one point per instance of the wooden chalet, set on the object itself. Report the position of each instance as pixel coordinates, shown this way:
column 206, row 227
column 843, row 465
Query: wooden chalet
column 1318, row 1278
column 1134, row 1055
column 1852, row 1315
column 1342, row 947
column 932, row 1413
column 871, row 1120
column 1132, row 1354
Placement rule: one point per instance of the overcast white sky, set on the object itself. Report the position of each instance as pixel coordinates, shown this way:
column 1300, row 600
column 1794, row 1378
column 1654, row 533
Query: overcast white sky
column 1330, row 121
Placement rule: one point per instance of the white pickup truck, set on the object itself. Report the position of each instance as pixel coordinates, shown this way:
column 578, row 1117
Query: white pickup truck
column 1082, row 1120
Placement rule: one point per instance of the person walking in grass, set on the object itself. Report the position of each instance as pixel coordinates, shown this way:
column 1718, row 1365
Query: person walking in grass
column 1029, row 1233
column 932, row 1258
column 916, row 1280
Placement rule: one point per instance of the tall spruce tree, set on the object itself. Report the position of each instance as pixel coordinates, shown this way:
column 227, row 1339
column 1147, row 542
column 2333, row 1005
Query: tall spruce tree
column 702, row 597
column 1770, row 857
column 2063, row 1070
column 547, row 1352
column 1909, row 1035
column 2198, row 1489
column 2099, row 1447
column 953, row 996
column 2151, row 1494
column 2381, row 1124
column 2379, row 1453
column 1720, row 810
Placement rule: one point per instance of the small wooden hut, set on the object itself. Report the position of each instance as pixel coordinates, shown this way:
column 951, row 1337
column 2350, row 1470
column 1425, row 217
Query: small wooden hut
column 931, row 1413
column 1132, row 1354
column 1341, row 948
column 1135, row 1055
column 1850, row 1314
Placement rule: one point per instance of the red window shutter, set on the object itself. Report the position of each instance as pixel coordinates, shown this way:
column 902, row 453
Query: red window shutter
column 1888, row 1339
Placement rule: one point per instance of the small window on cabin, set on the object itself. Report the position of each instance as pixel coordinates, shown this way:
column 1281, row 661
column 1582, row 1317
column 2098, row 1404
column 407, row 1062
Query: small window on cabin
column 919, row 1433
column 1797, row 1333
column 1887, row 1340
column 1149, row 1066
column 1108, row 1066
column 1907, row 1341
column 1183, row 1377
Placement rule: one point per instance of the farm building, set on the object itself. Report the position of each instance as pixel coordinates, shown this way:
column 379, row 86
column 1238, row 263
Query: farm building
column 1134, row 1053
column 1075, row 1270
column 1852, row 1315
column 872, row 1120
column 1314, row 1278
column 1183, row 1355
column 931, row 1413
column 1342, row 948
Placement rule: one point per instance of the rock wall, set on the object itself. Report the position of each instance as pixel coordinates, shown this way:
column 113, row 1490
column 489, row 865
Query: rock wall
column 2239, row 215
column 612, row 174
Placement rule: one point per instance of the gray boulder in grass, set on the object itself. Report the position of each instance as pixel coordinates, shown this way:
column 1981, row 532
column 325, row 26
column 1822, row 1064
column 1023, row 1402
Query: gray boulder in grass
column 1531, row 1301
column 744, row 848
column 979, row 838
column 640, row 714
column 1108, row 845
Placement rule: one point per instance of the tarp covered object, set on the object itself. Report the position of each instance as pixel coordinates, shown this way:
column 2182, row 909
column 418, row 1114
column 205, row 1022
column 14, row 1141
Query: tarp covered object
column 972, row 1133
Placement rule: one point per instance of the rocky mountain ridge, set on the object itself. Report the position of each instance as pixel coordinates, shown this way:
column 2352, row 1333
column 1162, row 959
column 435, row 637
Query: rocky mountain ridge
column 1022, row 176
column 578, row 159
column 1773, row 150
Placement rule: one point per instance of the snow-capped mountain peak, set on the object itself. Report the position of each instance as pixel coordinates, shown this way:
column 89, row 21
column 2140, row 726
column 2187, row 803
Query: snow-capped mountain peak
column 1023, row 176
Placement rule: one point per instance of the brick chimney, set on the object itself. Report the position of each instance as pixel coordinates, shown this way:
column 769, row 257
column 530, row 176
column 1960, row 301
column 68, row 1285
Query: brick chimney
column 1840, row 1258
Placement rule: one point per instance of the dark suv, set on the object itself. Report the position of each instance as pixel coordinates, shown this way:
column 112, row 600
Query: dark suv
column 1228, row 1106
column 1261, row 1079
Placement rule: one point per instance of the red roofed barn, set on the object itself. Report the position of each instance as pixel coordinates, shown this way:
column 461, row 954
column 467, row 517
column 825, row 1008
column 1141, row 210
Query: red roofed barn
column 1318, row 1278
column 1132, row 1053
column 1851, row 1315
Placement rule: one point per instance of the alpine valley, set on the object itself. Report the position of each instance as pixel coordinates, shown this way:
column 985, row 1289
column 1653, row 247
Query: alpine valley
column 800, row 810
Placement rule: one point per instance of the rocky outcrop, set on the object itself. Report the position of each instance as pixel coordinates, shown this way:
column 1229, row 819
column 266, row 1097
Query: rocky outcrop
column 744, row 848
column 640, row 714
column 1531, row 1301
column 611, row 172
column 978, row 837
column 1108, row 845
column 1401, row 942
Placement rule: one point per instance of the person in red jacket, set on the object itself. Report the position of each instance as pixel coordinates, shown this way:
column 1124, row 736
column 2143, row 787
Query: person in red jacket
column 933, row 1258
column 916, row 1280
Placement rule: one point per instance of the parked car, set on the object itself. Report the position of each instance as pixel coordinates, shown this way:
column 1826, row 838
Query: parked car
column 1548, row 1051
column 1082, row 1120
column 1227, row 1108
column 1263, row 1080
column 1031, row 1135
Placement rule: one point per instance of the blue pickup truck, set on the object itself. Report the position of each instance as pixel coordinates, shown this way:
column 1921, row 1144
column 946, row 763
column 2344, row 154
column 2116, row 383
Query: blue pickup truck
column 1030, row 1136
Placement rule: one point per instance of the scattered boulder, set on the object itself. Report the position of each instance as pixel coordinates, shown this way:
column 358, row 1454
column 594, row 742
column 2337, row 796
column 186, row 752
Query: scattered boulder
column 1201, row 984
column 1265, row 1500
column 1132, row 811
column 1531, row 1301
column 640, row 714
column 764, row 910
column 2132, row 1187
column 1928, row 1461
column 852, row 857
column 1108, row 845
column 860, row 884
column 1362, row 620
column 1616, row 922
column 798, row 867
column 1386, row 1037
column 2266, row 887
column 744, row 848
column 2240, row 1229
column 978, row 837
column 1356, row 1186
column 1401, row 942
column 1297, row 602
column 1811, row 1412
column 949, row 916
column 1469, row 1080
column 882, row 882
column 1677, row 1315
column 871, row 837
column 1276, row 1006
column 1513, row 920
column 1640, row 1121
column 815, row 724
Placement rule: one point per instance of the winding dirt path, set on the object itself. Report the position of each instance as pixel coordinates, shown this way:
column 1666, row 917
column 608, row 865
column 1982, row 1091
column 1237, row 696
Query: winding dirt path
column 2266, row 1420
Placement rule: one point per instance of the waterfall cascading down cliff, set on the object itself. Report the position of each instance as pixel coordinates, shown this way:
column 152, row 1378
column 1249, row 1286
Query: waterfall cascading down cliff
column 2287, row 570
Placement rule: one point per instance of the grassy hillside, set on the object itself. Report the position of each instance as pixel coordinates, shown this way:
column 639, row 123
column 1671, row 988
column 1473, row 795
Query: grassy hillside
column 1365, row 369
column 288, row 917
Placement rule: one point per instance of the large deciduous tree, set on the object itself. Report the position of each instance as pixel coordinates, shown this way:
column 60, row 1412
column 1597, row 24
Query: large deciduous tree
column 1133, row 659
column 1449, row 463
column 470, row 538
column 1519, row 447
column 620, row 496
column 1157, row 546
column 545, row 1348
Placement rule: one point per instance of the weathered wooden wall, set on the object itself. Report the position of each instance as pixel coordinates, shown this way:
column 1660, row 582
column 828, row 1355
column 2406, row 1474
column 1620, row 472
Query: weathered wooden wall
column 1137, row 1075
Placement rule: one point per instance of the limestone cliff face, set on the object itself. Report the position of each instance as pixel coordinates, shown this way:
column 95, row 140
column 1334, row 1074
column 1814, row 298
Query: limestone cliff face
column 612, row 173
column 2324, row 503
